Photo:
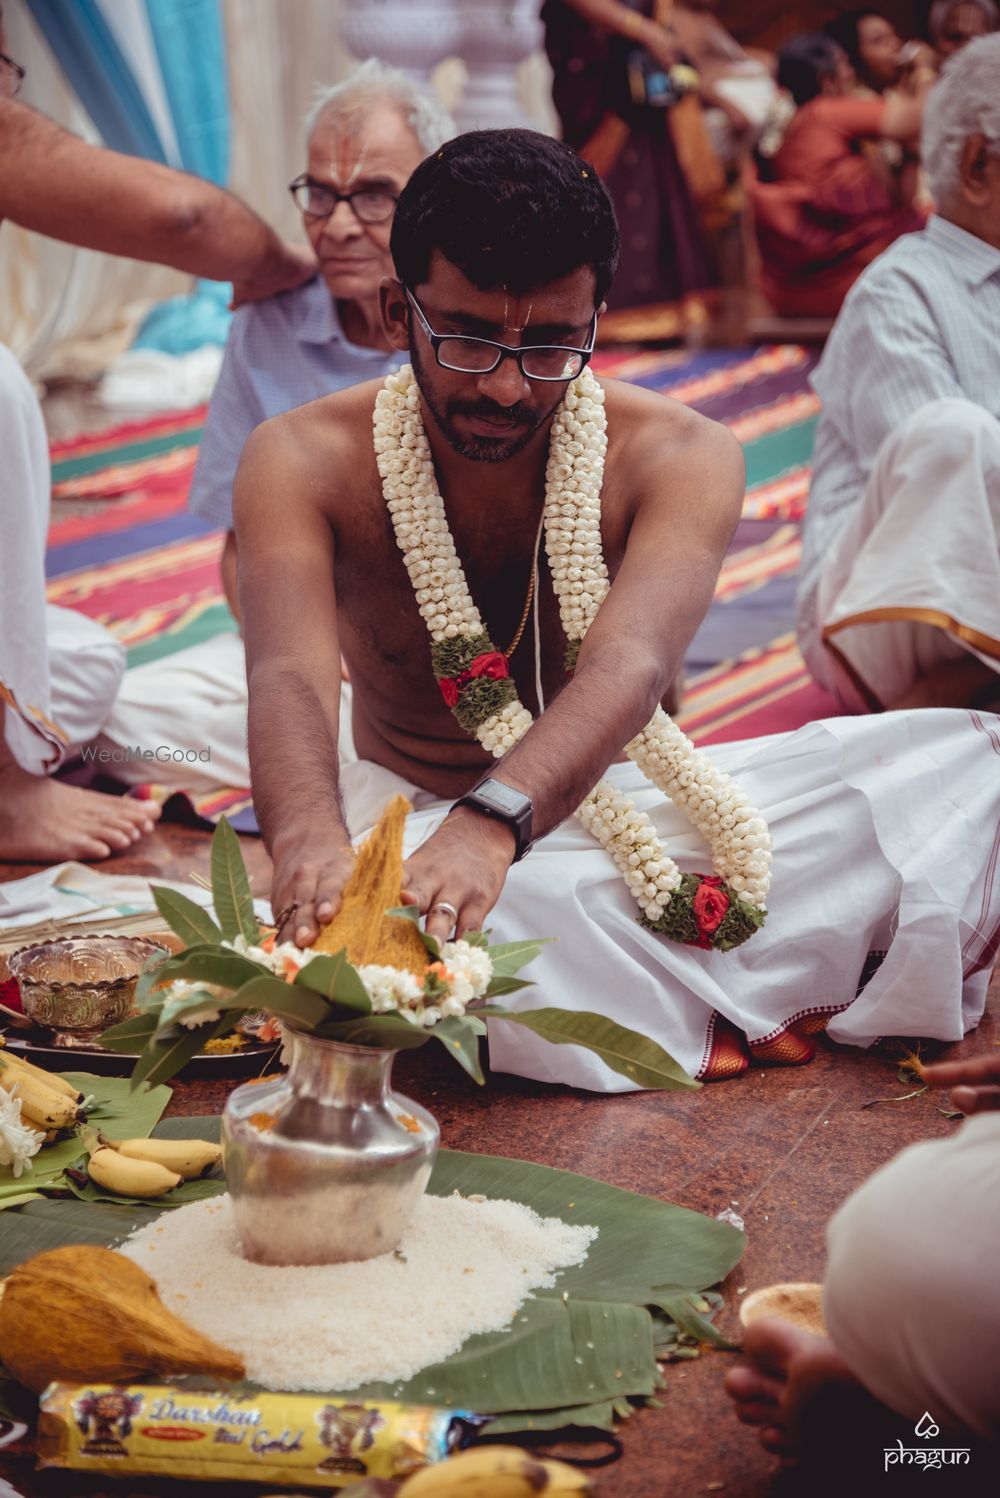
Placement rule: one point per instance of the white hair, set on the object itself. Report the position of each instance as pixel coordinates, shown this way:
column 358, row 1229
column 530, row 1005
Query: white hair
column 942, row 9
column 965, row 101
column 374, row 83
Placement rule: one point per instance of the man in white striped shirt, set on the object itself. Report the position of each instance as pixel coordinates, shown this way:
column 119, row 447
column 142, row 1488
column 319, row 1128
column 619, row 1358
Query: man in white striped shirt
column 899, row 596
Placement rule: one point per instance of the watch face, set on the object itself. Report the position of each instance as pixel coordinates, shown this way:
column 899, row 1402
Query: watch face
column 503, row 797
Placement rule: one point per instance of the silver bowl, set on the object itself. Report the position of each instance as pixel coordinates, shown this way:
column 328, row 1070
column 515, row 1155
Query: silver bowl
column 80, row 985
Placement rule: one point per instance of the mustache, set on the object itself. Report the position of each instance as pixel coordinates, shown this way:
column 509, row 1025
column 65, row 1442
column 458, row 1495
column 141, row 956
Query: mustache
column 518, row 415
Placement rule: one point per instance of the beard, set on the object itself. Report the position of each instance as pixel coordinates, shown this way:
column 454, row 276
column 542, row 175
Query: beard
column 525, row 420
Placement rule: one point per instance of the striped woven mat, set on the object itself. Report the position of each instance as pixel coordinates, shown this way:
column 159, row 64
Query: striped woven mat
column 133, row 557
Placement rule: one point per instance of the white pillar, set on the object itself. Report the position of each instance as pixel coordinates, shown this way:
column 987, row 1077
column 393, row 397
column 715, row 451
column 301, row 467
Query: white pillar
column 496, row 37
column 412, row 35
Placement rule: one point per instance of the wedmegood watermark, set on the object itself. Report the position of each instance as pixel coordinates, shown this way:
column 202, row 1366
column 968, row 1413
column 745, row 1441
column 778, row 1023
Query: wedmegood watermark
column 926, row 1429
column 126, row 754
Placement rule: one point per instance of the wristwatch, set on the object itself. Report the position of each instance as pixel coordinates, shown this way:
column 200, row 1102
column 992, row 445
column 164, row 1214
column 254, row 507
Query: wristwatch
column 503, row 804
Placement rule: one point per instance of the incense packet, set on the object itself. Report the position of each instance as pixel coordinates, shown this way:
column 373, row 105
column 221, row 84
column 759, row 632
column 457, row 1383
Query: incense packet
column 300, row 1440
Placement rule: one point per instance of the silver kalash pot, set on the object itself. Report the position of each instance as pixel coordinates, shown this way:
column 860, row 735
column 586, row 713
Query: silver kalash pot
column 325, row 1164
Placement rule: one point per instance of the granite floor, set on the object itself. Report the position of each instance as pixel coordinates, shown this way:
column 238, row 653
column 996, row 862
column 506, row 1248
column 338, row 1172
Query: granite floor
column 780, row 1147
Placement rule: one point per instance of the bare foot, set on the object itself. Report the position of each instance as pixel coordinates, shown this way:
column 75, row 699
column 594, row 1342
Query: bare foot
column 45, row 821
column 798, row 1391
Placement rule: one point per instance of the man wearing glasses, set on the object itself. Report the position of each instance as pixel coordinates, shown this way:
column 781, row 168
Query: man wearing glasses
column 504, row 245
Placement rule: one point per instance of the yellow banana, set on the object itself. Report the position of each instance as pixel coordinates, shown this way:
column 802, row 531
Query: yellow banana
column 41, row 1105
column 187, row 1157
column 117, row 1172
column 495, row 1472
column 46, row 1078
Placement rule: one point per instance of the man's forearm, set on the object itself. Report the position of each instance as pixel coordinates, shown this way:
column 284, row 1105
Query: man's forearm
column 293, row 761
column 50, row 182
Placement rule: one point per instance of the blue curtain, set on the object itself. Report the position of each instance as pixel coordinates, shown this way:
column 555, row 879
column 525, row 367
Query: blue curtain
column 92, row 61
column 190, row 48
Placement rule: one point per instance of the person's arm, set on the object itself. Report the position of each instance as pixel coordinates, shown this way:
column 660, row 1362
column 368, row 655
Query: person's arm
column 628, row 23
column 630, row 656
column 289, row 611
column 58, row 185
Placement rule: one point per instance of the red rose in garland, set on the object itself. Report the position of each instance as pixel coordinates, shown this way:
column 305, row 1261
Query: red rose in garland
column 710, row 905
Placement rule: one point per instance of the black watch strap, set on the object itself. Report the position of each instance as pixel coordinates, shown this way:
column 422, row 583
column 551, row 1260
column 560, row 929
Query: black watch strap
column 503, row 803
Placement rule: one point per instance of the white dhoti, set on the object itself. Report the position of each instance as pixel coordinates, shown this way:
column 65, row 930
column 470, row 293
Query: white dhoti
column 913, row 579
column 885, row 836
column 912, row 1298
column 181, row 721
column 59, row 670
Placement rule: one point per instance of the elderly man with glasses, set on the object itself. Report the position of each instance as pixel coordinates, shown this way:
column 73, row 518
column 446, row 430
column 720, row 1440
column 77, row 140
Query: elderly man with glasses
column 364, row 137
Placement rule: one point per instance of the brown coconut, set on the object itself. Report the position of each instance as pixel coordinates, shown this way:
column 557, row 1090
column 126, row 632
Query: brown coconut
column 85, row 1314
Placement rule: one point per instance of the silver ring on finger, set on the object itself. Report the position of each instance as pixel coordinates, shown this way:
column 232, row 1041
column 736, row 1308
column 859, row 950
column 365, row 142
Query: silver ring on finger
column 448, row 910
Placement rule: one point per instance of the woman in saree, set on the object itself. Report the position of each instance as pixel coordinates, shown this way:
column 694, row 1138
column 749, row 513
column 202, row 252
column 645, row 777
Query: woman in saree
column 824, row 204
column 647, row 155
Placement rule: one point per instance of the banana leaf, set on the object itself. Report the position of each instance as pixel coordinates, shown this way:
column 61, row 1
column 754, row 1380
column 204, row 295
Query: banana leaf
column 575, row 1352
column 188, row 1191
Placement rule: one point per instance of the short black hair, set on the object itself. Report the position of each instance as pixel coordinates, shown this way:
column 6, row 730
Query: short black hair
column 804, row 62
column 510, row 208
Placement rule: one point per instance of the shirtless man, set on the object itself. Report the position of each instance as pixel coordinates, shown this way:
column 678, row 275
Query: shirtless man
column 507, row 238
column 51, row 692
column 313, row 537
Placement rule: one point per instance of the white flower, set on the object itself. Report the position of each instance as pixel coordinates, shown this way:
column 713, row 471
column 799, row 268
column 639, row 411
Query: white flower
column 18, row 1142
column 574, row 478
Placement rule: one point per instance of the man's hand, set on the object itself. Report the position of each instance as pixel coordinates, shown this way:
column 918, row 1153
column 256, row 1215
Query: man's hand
column 295, row 265
column 463, row 864
column 975, row 1084
column 309, row 876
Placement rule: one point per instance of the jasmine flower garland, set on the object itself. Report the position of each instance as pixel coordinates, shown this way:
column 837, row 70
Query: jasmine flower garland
column 719, row 910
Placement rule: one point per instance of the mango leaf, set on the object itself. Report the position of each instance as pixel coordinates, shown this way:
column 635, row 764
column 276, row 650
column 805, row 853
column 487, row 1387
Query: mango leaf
column 389, row 1032
column 477, row 938
column 185, row 919
column 207, row 964
column 288, row 1001
column 199, row 1001
column 508, row 956
column 165, row 1055
column 626, row 1051
column 501, row 984
column 132, row 1034
column 461, row 1040
column 337, row 980
column 230, row 886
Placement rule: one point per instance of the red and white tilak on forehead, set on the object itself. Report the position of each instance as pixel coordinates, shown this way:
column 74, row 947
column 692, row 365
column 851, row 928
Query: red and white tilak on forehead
column 347, row 149
column 516, row 315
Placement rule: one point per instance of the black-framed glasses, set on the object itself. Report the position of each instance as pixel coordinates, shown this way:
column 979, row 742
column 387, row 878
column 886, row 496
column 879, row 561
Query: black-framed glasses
column 536, row 361
column 15, row 69
column 318, row 200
